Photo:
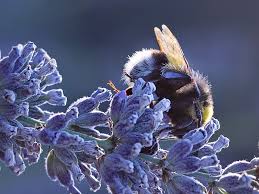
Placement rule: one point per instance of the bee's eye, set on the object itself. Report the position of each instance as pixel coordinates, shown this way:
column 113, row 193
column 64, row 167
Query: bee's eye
column 173, row 75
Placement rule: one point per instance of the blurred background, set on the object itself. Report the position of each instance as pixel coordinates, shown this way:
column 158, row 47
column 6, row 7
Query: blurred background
column 91, row 41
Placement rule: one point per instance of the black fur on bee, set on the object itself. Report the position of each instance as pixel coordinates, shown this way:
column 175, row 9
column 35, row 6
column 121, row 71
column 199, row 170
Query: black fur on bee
column 188, row 91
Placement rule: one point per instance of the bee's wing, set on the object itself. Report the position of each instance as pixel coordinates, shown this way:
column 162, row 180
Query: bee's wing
column 171, row 47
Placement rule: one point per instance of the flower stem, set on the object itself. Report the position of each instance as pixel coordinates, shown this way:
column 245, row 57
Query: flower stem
column 106, row 144
column 28, row 121
column 151, row 159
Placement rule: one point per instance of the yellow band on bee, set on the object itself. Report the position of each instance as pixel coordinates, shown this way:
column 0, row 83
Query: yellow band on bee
column 207, row 114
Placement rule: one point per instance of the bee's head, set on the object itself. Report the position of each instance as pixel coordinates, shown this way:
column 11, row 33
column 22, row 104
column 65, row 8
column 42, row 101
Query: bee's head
column 145, row 64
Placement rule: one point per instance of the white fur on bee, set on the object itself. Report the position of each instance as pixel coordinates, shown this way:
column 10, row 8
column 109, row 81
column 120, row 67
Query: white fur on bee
column 140, row 64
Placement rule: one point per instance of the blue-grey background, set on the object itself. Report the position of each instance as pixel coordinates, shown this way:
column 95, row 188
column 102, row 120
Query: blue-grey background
column 92, row 39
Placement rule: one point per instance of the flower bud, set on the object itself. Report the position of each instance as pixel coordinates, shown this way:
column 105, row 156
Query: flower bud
column 56, row 97
column 179, row 150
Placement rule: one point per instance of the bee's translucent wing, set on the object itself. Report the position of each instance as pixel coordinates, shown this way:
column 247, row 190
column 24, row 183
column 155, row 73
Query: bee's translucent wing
column 170, row 46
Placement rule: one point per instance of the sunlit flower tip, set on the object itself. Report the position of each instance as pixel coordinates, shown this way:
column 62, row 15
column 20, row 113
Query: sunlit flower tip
column 13, row 55
column 102, row 95
column 212, row 126
column 116, row 163
column 70, row 160
column 28, row 49
column 220, row 143
column 146, row 122
column 216, row 123
column 186, row 184
column 149, row 88
column 19, row 166
column 52, row 79
column 33, row 87
column 72, row 114
column 9, row 158
column 9, row 96
column 196, row 136
column 57, row 122
column 39, row 57
column 179, row 150
column 186, row 165
column 146, row 99
column 64, row 139
column 213, row 170
column 84, row 104
column 92, row 119
column 238, row 166
column 163, row 105
column 98, row 91
column 45, row 69
column 25, row 57
column 33, row 158
column 233, row 181
column 92, row 181
column 117, row 105
column 207, row 161
column 206, row 150
column 56, row 97
column 138, row 86
column 76, row 171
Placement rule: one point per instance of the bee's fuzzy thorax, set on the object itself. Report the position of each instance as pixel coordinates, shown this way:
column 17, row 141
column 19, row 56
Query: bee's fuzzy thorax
column 143, row 64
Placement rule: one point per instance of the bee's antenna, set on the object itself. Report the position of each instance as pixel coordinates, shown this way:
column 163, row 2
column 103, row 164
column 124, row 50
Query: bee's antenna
column 111, row 84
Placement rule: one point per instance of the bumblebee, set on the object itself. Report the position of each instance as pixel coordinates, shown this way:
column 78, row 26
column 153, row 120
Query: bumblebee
column 188, row 91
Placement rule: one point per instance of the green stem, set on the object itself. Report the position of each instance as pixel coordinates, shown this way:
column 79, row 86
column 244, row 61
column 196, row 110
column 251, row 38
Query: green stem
column 151, row 159
column 106, row 144
column 254, row 171
column 89, row 132
column 28, row 121
column 167, row 143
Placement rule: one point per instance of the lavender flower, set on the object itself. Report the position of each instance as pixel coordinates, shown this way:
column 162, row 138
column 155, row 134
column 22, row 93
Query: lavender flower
column 132, row 154
column 24, row 76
